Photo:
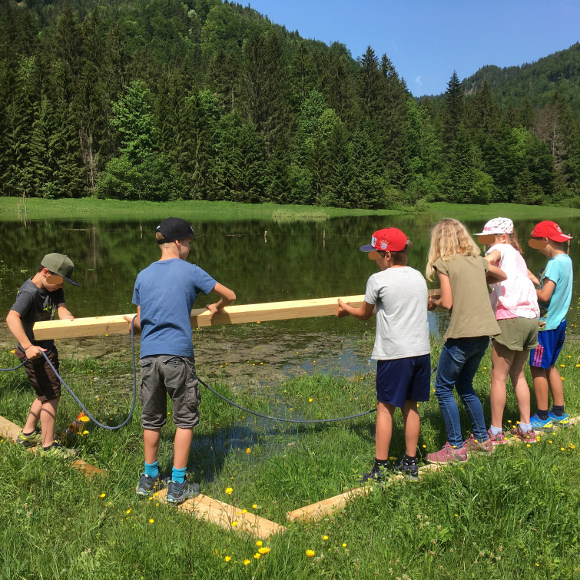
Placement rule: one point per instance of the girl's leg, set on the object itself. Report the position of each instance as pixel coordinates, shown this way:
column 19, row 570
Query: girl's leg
column 521, row 389
column 384, row 430
column 450, row 363
column 412, row 427
column 475, row 349
column 501, row 361
column 556, row 387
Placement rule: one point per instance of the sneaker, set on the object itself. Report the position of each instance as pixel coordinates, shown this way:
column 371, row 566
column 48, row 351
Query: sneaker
column 179, row 492
column 527, row 437
column 408, row 468
column 375, row 474
column 541, row 424
column 472, row 444
column 149, row 485
column 498, row 439
column 59, row 451
column 31, row 440
column 448, row 454
column 563, row 420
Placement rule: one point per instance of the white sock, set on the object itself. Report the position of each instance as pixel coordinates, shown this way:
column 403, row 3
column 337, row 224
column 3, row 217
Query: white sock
column 525, row 427
column 495, row 430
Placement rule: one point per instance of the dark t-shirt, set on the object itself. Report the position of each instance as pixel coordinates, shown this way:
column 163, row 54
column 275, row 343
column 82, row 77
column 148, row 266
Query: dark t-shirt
column 35, row 304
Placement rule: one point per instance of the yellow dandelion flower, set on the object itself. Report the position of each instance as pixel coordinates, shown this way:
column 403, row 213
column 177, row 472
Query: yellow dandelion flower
column 264, row 550
column 259, row 543
column 227, row 558
column 85, row 433
column 248, row 451
column 344, row 545
column 392, row 458
column 229, row 490
column 562, row 366
column 244, row 511
column 151, row 521
column 562, row 449
column 234, row 523
column 255, row 506
column 310, row 400
column 257, row 555
column 128, row 511
column 84, row 419
column 325, row 538
column 246, row 562
column 310, row 553
column 103, row 495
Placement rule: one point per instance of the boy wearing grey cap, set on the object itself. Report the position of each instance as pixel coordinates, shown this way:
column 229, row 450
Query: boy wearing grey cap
column 164, row 295
column 40, row 298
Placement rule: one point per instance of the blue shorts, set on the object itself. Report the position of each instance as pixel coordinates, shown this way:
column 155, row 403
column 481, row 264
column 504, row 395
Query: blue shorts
column 550, row 344
column 404, row 379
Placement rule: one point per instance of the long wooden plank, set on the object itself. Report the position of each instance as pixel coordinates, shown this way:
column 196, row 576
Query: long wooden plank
column 327, row 506
column 9, row 430
column 235, row 314
column 228, row 516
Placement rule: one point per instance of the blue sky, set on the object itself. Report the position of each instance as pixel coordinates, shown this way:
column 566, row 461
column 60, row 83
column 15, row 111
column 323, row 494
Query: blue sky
column 428, row 39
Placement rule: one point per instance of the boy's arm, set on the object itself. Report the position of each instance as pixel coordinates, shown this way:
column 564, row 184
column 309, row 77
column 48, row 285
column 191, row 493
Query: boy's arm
column 446, row 298
column 545, row 293
column 533, row 278
column 362, row 312
column 227, row 297
column 14, row 323
column 64, row 312
column 137, row 323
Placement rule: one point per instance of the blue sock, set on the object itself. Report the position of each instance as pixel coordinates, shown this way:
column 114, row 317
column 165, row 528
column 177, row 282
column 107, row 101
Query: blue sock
column 152, row 469
column 178, row 474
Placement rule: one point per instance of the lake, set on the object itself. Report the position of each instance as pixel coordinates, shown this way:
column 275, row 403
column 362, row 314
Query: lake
column 261, row 261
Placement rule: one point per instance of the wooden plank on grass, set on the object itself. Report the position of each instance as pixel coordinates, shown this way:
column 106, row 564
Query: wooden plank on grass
column 9, row 430
column 236, row 314
column 327, row 506
column 227, row 516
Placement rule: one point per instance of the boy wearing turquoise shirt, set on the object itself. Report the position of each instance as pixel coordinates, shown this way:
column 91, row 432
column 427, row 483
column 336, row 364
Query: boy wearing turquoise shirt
column 554, row 296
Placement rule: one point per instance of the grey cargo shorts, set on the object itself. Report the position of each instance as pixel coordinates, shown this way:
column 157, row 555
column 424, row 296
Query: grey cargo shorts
column 171, row 375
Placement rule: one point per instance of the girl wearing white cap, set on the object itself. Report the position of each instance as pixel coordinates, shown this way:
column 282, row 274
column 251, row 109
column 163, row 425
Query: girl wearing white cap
column 515, row 304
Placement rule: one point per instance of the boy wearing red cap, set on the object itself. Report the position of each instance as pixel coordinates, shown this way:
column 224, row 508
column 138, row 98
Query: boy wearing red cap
column 554, row 296
column 398, row 295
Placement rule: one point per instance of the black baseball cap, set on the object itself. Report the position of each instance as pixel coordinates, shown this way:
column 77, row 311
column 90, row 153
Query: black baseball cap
column 60, row 265
column 173, row 229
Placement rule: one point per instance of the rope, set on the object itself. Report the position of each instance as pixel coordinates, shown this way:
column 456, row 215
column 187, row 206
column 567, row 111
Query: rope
column 14, row 368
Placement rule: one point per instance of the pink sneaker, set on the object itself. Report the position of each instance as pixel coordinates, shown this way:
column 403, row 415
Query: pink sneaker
column 448, row 454
column 473, row 444
column 498, row 439
column 527, row 437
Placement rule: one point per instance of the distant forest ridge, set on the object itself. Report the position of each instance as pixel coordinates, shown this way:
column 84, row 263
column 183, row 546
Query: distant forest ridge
column 204, row 99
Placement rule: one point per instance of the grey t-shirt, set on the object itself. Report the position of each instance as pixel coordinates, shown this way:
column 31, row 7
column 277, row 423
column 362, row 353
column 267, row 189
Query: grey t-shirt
column 35, row 304
column 400, row 297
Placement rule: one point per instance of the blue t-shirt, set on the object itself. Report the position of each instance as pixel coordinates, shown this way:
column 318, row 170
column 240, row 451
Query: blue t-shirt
column 165, row 292
column 559, row 270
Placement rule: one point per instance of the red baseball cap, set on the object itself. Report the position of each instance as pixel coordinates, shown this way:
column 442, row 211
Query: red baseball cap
column 550, row 230
column 390, row 239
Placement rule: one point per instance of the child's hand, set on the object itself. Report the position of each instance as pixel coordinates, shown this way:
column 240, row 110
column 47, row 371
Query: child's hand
column 129, row 319
column 34, row 351
column 214, row 309
column 342, row 311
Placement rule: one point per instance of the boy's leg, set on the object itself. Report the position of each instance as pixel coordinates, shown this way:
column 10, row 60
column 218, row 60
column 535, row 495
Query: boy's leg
column 556, row 387
column 151, row 438
column 181, row 447
column 384, row 430
column 412, row 425
column 47, row 420
column 540, row 377
column 33, row 416
column 501, row 361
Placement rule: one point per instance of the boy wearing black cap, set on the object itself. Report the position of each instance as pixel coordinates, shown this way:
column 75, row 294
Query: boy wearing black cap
column 164, row 295
column 554, row 296
column 39, row 298
column 398, row 295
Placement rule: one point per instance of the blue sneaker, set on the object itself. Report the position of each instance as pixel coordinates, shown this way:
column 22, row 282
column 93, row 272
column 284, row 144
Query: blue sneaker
column 563, row 420
column 177, row 493
column 541, row 424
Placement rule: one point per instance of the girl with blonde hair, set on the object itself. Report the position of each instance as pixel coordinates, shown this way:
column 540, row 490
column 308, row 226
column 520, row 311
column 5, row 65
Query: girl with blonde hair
column 463, row 273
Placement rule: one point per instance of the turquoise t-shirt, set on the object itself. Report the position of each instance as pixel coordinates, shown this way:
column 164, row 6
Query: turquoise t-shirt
column 559, row 270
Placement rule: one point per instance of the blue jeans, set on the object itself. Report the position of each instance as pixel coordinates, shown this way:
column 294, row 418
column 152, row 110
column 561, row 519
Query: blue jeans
column 458, row 363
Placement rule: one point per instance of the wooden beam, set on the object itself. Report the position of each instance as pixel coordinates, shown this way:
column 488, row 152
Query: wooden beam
column 227, row 516
column 327, row 506
column 10, row 430
column 236, row 314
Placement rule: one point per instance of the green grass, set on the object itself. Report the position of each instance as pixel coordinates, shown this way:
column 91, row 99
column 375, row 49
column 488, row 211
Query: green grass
column 510, row 515
column 12, row 209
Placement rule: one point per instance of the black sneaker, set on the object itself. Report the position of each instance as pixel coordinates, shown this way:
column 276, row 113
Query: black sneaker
column 179, row 492
column 408, row 467
column 376, row 474
column 149, row 485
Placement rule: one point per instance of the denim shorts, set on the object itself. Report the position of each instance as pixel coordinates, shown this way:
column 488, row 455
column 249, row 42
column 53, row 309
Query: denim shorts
column 550, row 343
column 404, row 379
column 45, row 382
column 171, row 375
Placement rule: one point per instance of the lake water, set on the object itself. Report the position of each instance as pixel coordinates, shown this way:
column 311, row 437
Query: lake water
column 261, row 261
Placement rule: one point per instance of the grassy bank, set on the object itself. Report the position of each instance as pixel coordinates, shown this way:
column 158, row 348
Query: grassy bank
column 513, row 514
column 13, row 209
